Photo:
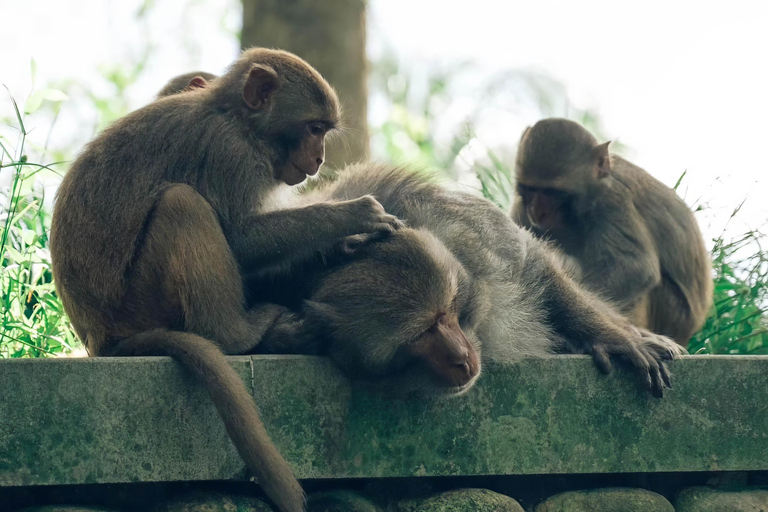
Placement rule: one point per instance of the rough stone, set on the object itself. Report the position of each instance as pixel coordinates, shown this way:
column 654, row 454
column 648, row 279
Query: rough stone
column 213, row 502
column 340, row 501
column 709, row 499
column 463, row 500
column 617, row 499
column 114, row 420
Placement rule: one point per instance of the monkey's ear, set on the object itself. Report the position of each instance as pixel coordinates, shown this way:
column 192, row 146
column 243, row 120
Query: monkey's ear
column 262, row 82
column 603, row 160
column 197, row 82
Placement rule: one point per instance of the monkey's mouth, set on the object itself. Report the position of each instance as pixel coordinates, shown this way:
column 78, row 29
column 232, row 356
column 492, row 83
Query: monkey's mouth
column 302, row 171
column 459, row 390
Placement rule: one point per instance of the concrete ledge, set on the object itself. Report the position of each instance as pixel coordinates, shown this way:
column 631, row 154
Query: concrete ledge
column 73, row 421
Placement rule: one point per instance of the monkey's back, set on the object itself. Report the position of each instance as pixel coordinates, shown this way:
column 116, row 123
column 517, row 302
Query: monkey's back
column 105, row 201
column 685, row 263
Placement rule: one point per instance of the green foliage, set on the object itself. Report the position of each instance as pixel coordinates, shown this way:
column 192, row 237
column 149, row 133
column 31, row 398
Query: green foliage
column 33, row 320
column 737, row 323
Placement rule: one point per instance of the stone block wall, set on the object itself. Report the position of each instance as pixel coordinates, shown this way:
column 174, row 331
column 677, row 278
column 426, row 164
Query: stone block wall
column 541, row 435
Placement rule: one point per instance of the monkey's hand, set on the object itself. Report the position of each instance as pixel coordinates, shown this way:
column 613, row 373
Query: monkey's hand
column 648, row 352
column 369, row 217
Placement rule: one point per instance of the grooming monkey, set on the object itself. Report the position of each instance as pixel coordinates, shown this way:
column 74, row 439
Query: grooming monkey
column 160, row 214
column 465, row 284
column 636, row 242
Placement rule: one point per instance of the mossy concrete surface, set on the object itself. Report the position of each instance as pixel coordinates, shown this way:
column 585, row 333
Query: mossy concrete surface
column 101, row 420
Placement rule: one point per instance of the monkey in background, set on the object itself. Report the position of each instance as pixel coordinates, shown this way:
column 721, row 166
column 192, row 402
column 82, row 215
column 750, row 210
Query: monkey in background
column 425, row 305
column 161, row 213
column 636, row 243
column 186, row 82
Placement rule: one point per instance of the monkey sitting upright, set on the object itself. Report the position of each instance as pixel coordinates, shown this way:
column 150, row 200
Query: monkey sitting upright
column 636, row 242
column 162, row 212
column 425, row 305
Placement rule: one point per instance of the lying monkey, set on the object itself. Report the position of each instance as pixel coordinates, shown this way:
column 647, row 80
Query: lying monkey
column 465, row 284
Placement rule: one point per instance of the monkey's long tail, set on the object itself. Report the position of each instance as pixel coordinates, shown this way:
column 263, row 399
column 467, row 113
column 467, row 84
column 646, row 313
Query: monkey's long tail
column 235, row 405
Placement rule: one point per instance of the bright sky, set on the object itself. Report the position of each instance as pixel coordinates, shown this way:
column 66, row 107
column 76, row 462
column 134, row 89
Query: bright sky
column 683, row 84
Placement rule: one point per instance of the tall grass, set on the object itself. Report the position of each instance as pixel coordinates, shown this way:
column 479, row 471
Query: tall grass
column 33, row 321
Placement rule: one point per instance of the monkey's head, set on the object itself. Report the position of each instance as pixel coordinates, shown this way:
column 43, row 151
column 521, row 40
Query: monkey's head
column 186, row 82
column 284, row 101
column 396, row 312
column 558, row 165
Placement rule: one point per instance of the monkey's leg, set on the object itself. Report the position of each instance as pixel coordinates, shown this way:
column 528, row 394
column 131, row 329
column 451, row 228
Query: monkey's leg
column 186, row 277
column 292, row 333
column 670, row 312
column 591, row 326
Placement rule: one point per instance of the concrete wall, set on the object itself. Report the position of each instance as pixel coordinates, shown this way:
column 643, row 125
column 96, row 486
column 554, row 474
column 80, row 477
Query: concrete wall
column 86, row 421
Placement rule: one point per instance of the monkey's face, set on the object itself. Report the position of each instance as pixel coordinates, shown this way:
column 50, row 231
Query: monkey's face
column 395, row 313
column 545, row 208
column 290, row 104
column 304, row 151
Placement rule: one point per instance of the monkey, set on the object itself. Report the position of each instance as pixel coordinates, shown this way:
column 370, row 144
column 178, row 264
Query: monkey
column 634, row 241
column 186, row 82
column 162, row 213
column 461, row 285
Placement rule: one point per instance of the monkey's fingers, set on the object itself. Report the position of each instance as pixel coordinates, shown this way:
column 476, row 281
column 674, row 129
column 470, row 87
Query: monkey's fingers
column 634, row 354
column 387, row 222
column 657, row 371
column 602, row 359
column 665, row 375
column 664, row 347
column 657, row 381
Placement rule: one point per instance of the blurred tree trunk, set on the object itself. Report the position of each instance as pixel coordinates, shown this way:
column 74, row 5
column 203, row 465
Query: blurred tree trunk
column 330, row 35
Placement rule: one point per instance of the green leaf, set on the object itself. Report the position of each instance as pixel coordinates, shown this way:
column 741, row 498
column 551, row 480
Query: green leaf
column 33, row 103
column 54, row 95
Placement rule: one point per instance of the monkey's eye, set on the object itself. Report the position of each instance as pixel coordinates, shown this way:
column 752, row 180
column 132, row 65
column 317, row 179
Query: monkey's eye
column 316, row 129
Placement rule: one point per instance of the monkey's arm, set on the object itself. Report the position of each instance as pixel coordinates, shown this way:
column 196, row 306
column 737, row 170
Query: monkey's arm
column 274, row 241
column 620, row 260
column 591, row 326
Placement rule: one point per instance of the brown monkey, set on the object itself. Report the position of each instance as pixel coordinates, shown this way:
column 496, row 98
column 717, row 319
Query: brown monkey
column 403, row 307
column 161, row 213
column 186, row 82
column 636, row 242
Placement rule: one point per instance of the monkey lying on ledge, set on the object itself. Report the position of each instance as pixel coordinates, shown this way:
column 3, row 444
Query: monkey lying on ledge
column 426, row 304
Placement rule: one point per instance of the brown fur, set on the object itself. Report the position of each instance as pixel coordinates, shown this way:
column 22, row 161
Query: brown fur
column 161, row 213
column 186, row 82
column 463, row 255
column 636, row 242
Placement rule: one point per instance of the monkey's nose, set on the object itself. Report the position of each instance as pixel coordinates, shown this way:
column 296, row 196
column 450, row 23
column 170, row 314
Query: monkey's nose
column 465, row 370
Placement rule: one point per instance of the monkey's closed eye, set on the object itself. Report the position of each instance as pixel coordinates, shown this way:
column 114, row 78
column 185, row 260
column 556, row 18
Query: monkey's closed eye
column 316, row 129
